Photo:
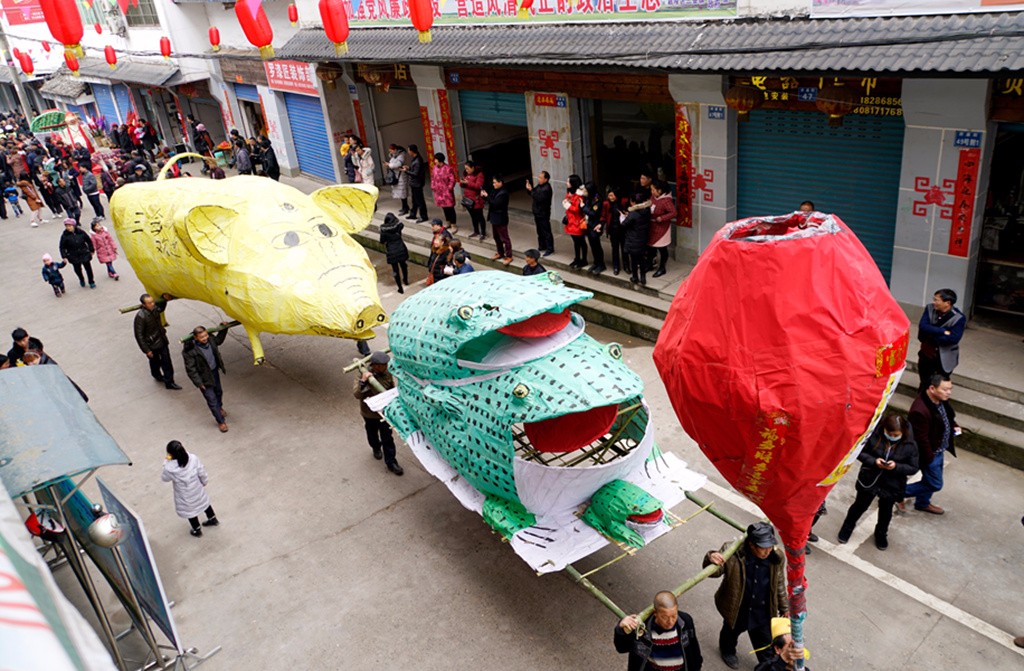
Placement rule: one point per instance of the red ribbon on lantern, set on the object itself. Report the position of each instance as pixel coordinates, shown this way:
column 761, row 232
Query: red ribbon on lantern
column 27, row 66
column 293, row 14
column 214, row 38
column 256, row 26
column 72, row 62
column 111, row 56
column 334, row 16
column 165, row 47
column 46, row 47
column 65, row 24
column 422, row 14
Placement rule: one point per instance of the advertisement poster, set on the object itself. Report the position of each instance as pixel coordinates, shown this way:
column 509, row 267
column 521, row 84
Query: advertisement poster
column 291, row 76
column 547, row 118
column 382, row 12
column 20, row 12
column 846, row 8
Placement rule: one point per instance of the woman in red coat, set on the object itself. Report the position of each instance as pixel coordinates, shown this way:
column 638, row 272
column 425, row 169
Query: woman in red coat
column 663, row 215
column 442, row 184
column 472, row 183
column 576, row 219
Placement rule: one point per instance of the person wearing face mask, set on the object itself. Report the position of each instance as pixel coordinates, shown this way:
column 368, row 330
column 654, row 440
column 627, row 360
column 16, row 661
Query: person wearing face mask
column 887, row 460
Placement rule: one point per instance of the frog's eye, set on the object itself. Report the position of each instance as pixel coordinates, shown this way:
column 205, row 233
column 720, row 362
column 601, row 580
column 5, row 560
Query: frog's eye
column 555, row 278
column 465, row 313
column 615, row 350
column 521, row 391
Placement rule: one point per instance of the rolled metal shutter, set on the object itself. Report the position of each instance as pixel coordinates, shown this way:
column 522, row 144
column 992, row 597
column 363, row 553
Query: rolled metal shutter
column 124, row 100
column 852, row 171
column 247, row 92
column 491, row 107
column 105, row 103
column 309, row 135
column 78, row 110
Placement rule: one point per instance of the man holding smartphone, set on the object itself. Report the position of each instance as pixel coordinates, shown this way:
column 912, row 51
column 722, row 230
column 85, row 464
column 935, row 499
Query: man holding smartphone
column 934, row 422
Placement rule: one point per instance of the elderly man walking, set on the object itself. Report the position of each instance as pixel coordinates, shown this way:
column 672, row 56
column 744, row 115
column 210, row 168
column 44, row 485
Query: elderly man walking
column 668, row 642
column 204, row 365
column 378, row 432
column 151, row 337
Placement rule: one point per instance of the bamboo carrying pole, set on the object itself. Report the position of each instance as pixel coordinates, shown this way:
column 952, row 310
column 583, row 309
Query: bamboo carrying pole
column 594, row 591
column 215, row 329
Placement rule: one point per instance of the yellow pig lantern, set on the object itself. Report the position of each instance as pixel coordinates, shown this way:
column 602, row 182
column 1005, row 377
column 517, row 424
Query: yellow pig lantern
column 273, row 258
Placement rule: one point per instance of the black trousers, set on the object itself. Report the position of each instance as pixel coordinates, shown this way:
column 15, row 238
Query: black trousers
column 160, row 365
column 618, row 241
column 378, row 435
column 87, row 266
column 638, row 262
column 194, row 521
column 860, row 506
column 476, row 215
column 401, row 272
column 579, row 249
column 419, row 203
column 97, row 204
column 596, row 249
column 662, row 254
column 926, row 367
column 545, row 240
column 214, row 395
column 760, row 637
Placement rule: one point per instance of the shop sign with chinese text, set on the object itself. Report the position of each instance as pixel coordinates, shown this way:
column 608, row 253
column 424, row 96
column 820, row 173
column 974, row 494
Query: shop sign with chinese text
column 383, row 12
column 291, row 76
column 20, row 12
column 876, row 96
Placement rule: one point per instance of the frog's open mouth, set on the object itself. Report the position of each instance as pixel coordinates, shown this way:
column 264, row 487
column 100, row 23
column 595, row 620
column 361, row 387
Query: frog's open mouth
column 589, row 438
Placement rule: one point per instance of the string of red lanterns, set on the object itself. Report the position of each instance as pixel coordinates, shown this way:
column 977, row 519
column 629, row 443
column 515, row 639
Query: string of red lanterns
column 165, row 47
column 421, row 12
column 293, row 14
column 72, row 62
column 256, row 26
column 214, row 34
column 111, row 55
column 27, row 66
column 65, row 24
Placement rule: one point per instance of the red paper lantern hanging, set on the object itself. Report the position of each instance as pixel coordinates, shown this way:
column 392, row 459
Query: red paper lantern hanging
column 293, row 14
column 65, row 24
column 111, row 56
column 98, row 28
column 334, row 16
column 524, row 9
column 422, row 14
column 256, row 26
column 743, row 99
column 27, row 66
column 214, row 38
column 72, row 62
column 836, row 102
column 165, row 47
column 46, row 47
column 16, row 52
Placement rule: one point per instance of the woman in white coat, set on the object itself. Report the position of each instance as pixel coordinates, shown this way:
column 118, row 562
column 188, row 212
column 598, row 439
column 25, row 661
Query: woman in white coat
column 366, row 165
column 188, row 477
column 400, row 187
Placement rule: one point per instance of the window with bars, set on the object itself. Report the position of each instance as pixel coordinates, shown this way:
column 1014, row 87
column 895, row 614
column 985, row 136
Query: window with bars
column 143, row 15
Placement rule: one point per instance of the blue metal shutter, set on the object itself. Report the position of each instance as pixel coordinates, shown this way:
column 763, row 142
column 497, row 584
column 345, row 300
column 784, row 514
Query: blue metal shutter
column 491, row 107
column 78, row 110
column 124, row 100
column 105, row 102
column 852, row 171
column 247, row 92
column 309, row 135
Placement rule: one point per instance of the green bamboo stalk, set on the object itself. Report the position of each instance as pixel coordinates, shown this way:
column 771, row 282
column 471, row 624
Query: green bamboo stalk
column 214, row 329
column 594, row 591
column 720, row 515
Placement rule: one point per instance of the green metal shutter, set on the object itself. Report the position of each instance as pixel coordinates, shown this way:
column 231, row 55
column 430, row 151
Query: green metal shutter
column 491, row 107
column 309, row 135
column 852, row 171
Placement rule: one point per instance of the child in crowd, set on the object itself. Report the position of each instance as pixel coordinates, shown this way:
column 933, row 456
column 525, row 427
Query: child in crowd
column 106, row 247
column 51, row 275
column 11, row 194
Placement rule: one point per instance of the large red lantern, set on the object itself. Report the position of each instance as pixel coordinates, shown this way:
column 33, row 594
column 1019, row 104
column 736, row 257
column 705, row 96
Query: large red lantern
column 293, row 14
column 256, row 26
column 214, row 38
column 72, row 62
column 111, row 56
column 65, row 24
column 27, row 66
column 422, row 14
column 46, row 47
column 334, row 15
column 524, row 9
column 743, row 99
column 165, row 47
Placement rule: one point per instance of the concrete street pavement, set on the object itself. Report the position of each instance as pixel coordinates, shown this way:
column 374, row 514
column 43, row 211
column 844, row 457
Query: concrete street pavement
column 324, row 560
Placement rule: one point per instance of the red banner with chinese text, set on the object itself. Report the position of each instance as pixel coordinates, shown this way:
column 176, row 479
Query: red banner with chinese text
column 428, row 139
column 358, row 110
column 963, row 203
column 684, row 167
column 449, row 133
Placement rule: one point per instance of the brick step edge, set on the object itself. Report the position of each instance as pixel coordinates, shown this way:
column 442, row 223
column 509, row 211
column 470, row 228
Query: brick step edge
column 979, row 436
column 974, row 407
column 982, row 386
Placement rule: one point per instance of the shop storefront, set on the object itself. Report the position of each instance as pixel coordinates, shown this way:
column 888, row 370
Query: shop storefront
column 244, row 76
column 297, row 83
column 393, row 116
column 790, row 151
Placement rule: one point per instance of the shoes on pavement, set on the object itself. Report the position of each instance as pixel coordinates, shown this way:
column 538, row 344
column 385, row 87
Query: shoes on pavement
column 843, row 536
column 548, row 252
column 223, row 427
column 223, row 412
column 807, row 549
column 1019, row 641
column 212, row 522
column 395, row 468
column 495, row 257
column 901, row 508
column 402, row 213
column 882, row 543
column 421, row 221
column 196, row 532
column 34, row 225
column 173, row 385
column 615, row 271
column 659, row 272
column 812, row 537
column 92, row 285
column 507, row 260
column 81, row 283
column 931, row 508
column 377, row 454
column 732, row 661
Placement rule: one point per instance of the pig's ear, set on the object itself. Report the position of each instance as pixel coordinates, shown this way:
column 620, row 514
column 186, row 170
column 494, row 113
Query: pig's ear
column 351, row 205
column 206, row 230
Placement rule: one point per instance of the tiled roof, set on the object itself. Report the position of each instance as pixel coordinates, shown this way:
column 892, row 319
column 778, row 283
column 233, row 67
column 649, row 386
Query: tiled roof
column 133, row 72
column 63, row 86
column 958, row 43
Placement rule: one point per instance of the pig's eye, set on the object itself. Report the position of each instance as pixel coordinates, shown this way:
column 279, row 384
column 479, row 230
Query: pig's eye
column 324, row 230
column 290, row 239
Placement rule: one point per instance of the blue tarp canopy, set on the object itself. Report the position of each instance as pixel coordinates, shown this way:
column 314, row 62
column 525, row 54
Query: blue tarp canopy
column 47, row 432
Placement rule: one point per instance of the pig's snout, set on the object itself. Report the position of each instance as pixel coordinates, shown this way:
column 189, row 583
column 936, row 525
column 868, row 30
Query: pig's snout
column 370, row 317
column 367, row 316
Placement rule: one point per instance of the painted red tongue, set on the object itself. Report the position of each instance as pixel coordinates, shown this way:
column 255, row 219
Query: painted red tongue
column 538, row 326
column 571, row 432
column 649, row 518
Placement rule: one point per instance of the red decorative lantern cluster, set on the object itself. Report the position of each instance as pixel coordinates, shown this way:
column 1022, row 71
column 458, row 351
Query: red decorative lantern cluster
column 256, row 26
column 72, row 62
column 334, row 15
column 65, row 24
column 214, row 38
column 421, row 12
column 293, row 14
column 165, row 47
column 111, row 56
column 27, row 66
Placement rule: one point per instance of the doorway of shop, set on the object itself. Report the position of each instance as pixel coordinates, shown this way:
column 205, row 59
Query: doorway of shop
column 497, row 136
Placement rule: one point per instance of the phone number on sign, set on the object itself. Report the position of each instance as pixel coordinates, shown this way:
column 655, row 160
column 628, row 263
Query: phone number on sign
column 879, row 100
column 880, row 111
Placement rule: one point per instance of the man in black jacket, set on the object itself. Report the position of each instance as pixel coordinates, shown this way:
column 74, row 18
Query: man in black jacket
column 668, row 641
column 204, row 365
column 151, row 337
column 497, row 214
column 542, row 195
column 417, row 171
column 934, row 422
column 76, row 248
